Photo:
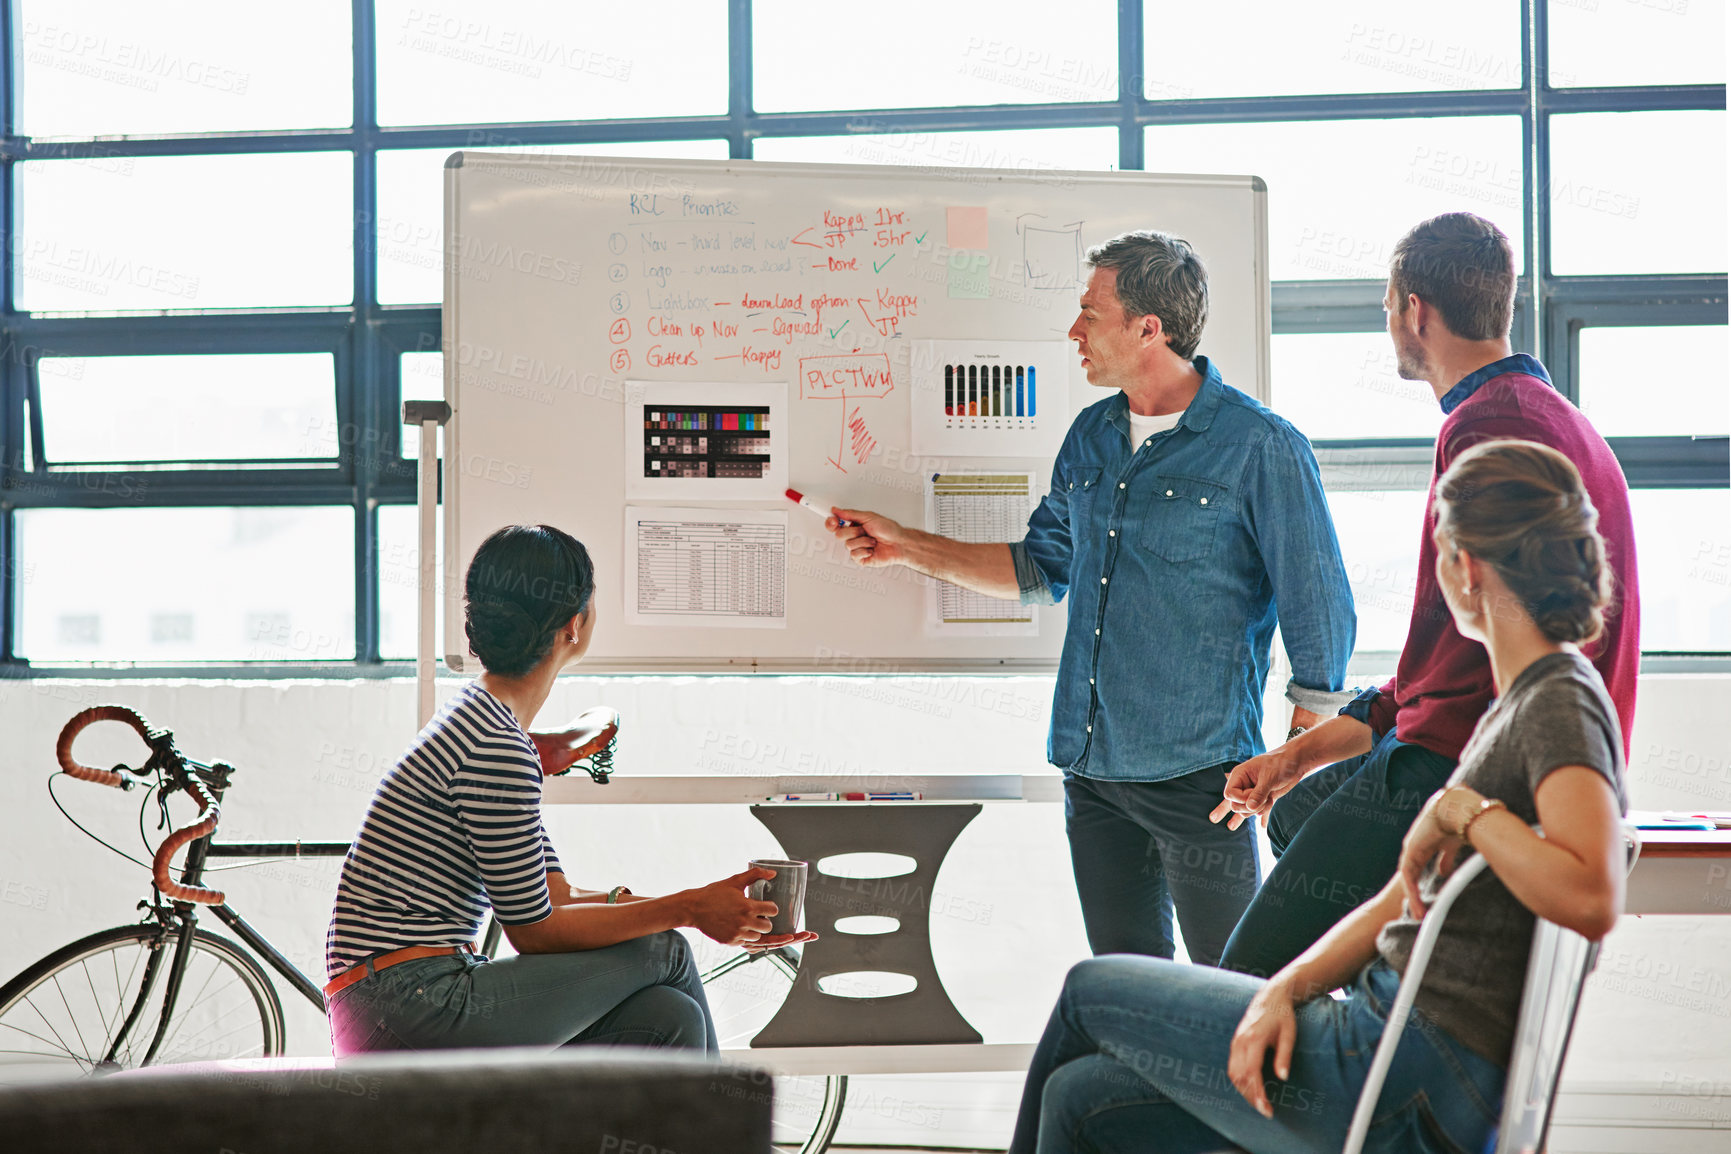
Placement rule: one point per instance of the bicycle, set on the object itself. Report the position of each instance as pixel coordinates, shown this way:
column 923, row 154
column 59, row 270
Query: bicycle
column 166, row 990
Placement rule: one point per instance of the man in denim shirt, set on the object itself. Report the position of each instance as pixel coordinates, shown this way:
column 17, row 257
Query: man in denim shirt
column 1181, row 513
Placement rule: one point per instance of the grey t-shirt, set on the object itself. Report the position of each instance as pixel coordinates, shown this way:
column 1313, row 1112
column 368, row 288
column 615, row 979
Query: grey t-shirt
column 1556, row 713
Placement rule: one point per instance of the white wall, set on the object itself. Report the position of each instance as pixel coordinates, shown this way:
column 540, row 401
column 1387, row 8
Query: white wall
column 310, row 753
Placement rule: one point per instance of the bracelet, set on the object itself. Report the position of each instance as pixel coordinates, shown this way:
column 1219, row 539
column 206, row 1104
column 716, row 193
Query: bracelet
column 1296, row 730
column 613, row 895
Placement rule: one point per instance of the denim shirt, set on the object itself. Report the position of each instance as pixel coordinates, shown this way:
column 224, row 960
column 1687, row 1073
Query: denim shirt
column 1174, row 558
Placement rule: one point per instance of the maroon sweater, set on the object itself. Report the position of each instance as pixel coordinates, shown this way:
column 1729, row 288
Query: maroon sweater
column 1443, row 683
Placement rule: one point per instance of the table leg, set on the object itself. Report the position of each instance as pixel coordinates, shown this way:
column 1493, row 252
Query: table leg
column 923, row 1015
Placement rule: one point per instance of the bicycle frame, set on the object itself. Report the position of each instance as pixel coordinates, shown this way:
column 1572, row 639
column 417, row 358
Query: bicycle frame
column 180, row 919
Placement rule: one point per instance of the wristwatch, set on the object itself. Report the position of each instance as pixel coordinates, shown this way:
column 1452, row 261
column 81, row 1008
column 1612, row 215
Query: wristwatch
column 613, row 895
column 1296, row 730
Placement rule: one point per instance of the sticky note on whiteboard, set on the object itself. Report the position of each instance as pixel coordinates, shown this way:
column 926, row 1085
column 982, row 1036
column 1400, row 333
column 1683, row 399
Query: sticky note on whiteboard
column 970, row 276
column 965, row 227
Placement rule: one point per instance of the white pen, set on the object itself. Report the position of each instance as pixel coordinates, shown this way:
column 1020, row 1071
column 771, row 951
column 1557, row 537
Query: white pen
column 805, row 502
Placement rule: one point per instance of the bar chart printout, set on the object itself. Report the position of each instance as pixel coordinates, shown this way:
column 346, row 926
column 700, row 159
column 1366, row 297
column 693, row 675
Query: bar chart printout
column 977, row 507
column 722, row 568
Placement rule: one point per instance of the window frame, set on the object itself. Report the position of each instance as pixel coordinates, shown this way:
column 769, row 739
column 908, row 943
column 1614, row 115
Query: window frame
column 367, row 339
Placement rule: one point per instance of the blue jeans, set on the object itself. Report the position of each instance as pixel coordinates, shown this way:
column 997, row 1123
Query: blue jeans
column 644, row 992
column 1135, row 1059
column 1337, row 834
column 1141, row 849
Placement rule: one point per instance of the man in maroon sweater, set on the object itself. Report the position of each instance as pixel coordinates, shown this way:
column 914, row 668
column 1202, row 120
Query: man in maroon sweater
column 1339, row 798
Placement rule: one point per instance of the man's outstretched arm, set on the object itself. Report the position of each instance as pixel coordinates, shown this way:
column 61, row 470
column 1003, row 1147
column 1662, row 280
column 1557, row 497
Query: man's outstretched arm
column 873, row 539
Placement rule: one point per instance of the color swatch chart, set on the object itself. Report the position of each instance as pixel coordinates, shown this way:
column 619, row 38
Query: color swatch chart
column 990, row 394
column 724, row 441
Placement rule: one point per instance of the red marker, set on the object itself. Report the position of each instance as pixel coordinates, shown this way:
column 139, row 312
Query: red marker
column 805, row 502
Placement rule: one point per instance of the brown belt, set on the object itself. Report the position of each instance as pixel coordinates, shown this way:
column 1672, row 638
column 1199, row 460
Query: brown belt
column 385, row 961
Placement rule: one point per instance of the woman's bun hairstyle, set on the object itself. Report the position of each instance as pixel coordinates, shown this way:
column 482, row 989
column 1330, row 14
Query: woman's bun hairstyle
column 525, row 583
column 1522, row 508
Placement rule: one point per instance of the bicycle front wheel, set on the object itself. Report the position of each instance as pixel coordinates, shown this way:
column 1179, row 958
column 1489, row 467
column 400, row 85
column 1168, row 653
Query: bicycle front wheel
column 102, row 995
column 744, row 992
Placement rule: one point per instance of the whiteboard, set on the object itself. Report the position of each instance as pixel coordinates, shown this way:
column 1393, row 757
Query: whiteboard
column 571, row 281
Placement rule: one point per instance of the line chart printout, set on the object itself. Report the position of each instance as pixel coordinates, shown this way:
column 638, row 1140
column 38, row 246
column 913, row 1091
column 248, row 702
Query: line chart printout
column 978, row 507
column 717, row 568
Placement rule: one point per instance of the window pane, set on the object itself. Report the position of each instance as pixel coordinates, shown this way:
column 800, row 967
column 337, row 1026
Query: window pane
column 1638, row 192
column 1329, row 46
column 412, row 197
column 120, row 68
column 916, row 54
column 1622, row 367
column 422, row 379
column 479, row 61
column 1683, row 556
column 1679, row 42
column 1028, row 150
column 188, row 408
column 185, row 232
column 400, row 579
column 275, row 584
column 1344, row 385
column 1379, row 537
column 1387, row 175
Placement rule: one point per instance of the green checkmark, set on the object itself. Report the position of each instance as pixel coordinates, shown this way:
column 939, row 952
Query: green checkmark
column 834, row 331
column 920, row 239
column 876, row 267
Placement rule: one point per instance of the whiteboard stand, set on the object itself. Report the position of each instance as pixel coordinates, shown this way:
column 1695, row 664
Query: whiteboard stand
column 429, row 415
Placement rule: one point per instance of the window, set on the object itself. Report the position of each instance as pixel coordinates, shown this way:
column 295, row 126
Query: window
column 185, row 232
column 1379, row 541
column 1639, row 192
column 487, row 61
column 914, row 54
column 1329, row 46
column 1639, row 381
column 1029, row 150
column 223, row 287
column 188, row 408
column 234, row 584
column 1341, row 218
column 1343, row 386
column 1680, row 42
column 113, row 67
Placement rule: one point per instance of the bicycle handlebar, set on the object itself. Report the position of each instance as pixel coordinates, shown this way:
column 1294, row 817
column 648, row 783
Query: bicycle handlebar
column 83, row 720
column 159, row 740
column 205, row 824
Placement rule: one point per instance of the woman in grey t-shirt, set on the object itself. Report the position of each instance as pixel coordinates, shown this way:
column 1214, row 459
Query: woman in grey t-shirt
column 1144, row 1054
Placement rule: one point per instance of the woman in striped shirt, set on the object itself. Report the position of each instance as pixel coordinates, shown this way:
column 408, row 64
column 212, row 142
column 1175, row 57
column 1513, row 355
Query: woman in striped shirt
column 455, row 828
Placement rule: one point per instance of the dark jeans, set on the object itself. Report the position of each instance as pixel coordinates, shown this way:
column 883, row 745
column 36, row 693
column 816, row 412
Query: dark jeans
column 1337, row 835
column 1144, row 848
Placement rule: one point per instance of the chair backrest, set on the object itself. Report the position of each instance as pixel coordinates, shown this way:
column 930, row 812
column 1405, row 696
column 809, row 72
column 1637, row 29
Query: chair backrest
column 1556, row 974
column 1425, row 941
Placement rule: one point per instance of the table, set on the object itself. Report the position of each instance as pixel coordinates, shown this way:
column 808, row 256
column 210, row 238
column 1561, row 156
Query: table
column 1681, row 872
column 1678, row 872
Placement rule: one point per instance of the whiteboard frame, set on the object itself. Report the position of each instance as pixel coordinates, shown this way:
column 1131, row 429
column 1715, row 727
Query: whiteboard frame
column 461, row 662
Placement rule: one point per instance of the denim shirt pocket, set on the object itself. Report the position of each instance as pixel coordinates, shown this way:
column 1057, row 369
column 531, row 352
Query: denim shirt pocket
column 1081, row 486
column 1184, row 515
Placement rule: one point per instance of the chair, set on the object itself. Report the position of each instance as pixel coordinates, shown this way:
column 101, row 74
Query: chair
column 1556, row 974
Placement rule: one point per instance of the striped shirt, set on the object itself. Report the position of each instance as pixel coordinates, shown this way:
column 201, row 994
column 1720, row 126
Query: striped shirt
column 454, row 828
